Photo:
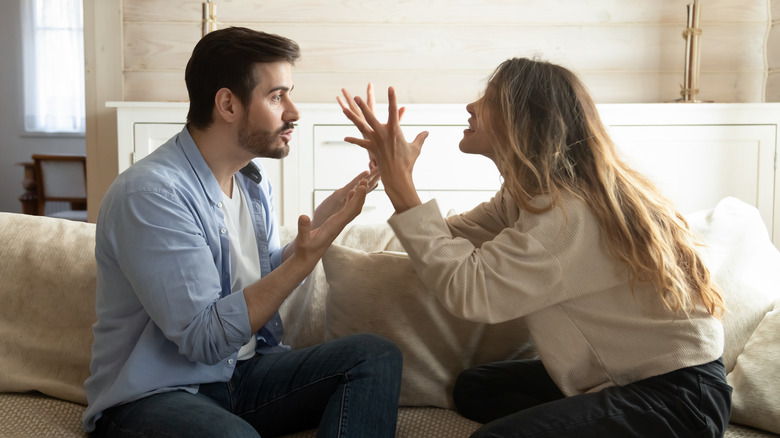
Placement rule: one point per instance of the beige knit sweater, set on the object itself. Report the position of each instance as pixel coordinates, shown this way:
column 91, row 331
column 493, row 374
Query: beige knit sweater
column 498, row 262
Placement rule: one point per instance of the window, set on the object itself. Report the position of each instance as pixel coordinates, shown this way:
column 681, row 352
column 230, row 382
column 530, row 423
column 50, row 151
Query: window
column 53, row 35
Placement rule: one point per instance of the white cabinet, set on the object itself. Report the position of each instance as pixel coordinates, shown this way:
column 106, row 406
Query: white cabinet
column 695, row 153
column 457, row 181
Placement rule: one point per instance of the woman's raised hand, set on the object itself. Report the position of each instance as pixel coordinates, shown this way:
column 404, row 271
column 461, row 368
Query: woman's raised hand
column 385, row 143
column 347, row 102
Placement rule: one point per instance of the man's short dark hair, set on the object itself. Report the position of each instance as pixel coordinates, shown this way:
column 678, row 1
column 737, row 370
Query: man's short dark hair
column 226, row 58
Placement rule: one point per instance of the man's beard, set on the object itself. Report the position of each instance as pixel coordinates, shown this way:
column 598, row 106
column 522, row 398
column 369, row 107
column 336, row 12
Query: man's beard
column 262, row 142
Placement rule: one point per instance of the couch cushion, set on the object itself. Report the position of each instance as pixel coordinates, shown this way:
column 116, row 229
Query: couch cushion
column 48, row 296
column 744, row 263
column 756, row 377
column 303, row 312
column 380, row 292
column 36, row 415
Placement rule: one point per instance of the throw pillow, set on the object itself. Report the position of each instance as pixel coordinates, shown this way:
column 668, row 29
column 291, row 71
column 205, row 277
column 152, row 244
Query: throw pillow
column 380, row 292
column 756, row 377
column 744, row 263
column 48, row 296
column 303, row 312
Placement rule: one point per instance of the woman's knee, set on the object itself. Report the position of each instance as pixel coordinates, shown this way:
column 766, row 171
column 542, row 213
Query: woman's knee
column 467, row 391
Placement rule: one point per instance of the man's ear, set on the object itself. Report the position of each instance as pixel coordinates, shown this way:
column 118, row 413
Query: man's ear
column 227, row 106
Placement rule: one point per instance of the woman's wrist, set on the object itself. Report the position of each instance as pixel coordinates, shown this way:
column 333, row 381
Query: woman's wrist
column 402, row 194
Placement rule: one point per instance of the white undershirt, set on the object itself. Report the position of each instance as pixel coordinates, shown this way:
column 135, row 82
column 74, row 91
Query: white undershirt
column 244, row 261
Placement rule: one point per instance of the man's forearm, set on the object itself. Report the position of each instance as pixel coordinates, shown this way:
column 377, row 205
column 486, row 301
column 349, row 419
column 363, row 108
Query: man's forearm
column 265, row 296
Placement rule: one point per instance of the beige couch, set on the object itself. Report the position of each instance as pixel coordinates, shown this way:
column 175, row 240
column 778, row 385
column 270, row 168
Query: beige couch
column 47, row 287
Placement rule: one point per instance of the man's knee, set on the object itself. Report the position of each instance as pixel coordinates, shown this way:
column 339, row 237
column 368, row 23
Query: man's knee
column 372, row 346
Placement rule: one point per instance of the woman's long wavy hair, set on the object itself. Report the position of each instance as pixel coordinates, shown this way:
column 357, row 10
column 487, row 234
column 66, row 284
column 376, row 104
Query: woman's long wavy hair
column 548, row 139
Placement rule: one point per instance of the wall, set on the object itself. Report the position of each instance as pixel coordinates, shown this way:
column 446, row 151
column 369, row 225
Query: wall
column 773, row 55
column 15, row 145
column 431, row 50
column 442, row 50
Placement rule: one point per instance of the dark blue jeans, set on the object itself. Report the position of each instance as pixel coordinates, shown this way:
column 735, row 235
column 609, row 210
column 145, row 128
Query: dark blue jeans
column 518, row 399
column 346, row 387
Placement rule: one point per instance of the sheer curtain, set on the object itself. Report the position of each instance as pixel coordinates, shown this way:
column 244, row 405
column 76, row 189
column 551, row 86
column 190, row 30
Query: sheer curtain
column 53, row 66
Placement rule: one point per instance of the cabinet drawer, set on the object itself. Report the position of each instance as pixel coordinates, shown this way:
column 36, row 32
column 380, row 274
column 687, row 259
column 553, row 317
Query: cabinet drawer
column 441, row 166
column 378, row 208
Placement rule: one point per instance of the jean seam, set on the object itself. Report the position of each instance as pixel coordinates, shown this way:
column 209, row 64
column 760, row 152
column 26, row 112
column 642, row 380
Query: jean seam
column 343, row 408
column 286, row 394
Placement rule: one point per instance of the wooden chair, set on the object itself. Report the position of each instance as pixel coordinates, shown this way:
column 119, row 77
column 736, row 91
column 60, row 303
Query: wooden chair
column 62, row 178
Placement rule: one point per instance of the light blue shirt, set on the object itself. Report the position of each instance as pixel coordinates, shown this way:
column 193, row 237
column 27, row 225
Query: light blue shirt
column 166, row 318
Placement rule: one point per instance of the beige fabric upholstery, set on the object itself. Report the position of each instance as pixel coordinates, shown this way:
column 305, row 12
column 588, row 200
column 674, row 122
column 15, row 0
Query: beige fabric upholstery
column 379, row 292
column 35, row 416
column 48, row 296
column 47, row 291
column 744, row 263
column 756, row 377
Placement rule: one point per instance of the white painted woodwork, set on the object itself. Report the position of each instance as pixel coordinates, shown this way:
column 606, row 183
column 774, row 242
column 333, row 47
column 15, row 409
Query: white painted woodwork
column 695, row 153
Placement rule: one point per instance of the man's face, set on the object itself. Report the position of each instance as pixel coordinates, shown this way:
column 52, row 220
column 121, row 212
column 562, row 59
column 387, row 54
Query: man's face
column 267, row 125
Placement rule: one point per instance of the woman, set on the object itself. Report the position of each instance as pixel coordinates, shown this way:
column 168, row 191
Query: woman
column 620, row 306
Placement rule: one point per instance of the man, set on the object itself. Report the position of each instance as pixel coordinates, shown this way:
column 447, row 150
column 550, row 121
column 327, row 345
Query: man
column 191, row 275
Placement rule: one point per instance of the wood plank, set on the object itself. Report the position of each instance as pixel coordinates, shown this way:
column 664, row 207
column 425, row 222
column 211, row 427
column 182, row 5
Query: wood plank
column 773, row 87
column 449, row 11
column 103, row 75
column 773, row 45
column 464, row 87
column 393, row 47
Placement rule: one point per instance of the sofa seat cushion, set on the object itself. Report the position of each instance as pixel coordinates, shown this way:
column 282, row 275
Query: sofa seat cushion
column 36, row 415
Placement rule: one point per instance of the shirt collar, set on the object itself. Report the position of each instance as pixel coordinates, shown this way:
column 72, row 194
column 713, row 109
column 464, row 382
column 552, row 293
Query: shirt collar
column 202, row 170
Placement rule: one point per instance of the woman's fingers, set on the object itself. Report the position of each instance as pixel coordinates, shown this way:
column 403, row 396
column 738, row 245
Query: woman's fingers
column 392, row 107
column 365, row 144
column 370, row 95
column 368, row 114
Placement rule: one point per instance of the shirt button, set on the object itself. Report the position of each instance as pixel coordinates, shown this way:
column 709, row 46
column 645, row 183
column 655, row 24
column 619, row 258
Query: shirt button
column 219, row 204
column 230, row 361
column 223, row 231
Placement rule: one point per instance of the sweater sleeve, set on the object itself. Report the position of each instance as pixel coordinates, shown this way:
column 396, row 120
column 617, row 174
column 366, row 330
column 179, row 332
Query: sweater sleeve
column 509, row 276
column 482, row 223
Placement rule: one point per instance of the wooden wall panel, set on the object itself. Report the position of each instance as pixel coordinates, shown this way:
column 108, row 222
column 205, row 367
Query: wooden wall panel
column 772, row 93
column 441, row 51
column 446, row 47
column 452, row 11
column 457, row 87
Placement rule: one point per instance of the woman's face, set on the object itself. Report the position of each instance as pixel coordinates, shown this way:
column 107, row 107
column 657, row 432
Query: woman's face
column 475, row 138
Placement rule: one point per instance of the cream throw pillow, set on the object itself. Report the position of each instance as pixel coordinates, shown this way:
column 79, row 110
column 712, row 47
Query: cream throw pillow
column 48, row 305
column 380, row 292
column 756, row 377
column 744, row 263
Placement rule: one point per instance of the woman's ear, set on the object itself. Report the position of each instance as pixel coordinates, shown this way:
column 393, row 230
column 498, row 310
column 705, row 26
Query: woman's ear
column 226, row 105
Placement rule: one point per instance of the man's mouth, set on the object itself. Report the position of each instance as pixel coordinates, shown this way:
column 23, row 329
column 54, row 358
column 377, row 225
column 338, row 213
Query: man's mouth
column 287, row 131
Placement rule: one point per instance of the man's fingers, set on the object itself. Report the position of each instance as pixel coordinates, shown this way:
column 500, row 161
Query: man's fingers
column 304, row 227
